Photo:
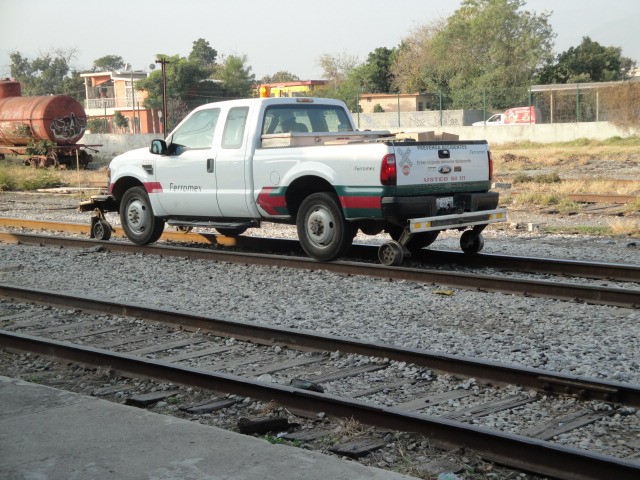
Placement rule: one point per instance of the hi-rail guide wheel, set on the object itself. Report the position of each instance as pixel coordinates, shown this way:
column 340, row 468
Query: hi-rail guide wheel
column 101, row 229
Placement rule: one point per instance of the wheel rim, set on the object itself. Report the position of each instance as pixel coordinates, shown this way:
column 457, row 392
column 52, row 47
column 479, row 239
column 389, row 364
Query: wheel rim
column 386, row 255
column 98, row 231
column 320, row 227
column 390, row 254
column 137, row 216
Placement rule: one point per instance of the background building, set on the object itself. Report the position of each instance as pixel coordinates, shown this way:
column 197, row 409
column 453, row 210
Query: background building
column 303, row 88
column 108, row 93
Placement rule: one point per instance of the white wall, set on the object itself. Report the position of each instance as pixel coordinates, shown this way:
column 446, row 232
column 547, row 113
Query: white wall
column 540, row 133
column 115, row 144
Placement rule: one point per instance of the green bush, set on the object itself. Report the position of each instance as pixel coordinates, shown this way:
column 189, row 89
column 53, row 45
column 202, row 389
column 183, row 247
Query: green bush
column 7, row 182
column 42, row 179
column 14, row 178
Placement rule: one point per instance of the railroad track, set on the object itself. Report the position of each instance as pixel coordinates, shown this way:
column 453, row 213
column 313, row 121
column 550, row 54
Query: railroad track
column 406, row 390
column 595, row 270
column 559, row 288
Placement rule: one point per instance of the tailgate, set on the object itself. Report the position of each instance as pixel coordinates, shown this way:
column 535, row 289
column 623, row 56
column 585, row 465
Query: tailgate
column 451, row 166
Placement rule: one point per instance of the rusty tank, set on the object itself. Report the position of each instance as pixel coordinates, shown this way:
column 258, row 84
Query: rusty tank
column 60, row 119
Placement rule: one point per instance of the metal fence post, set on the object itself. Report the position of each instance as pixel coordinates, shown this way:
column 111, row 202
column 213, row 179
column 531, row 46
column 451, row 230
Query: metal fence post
column 577, row 102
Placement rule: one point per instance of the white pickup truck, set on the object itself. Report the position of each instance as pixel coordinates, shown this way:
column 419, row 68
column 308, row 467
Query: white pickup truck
column 232, row 165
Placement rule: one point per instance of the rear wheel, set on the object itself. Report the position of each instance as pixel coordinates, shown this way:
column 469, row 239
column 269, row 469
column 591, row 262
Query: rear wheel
column 390, row 253
column 471, row 242
column 323, row 232
column 136, row 216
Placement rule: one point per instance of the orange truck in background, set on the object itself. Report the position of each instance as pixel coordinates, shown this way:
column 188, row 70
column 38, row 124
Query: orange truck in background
column 512, row 116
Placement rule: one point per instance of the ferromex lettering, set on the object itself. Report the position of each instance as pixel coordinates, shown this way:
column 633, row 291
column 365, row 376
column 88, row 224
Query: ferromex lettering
column 184, row 188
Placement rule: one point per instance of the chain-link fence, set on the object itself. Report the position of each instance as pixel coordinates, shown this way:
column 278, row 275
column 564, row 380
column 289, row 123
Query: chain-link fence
column 616, row 102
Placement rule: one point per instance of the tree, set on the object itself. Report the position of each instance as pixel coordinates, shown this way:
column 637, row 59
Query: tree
column 108, row 63
column 588, row 62
column 48, row 74
column 186, row 87
column 121, row 121
column 203, row 53
column 409, row 69
column 375, row 74
column 236, row 77
column 281, row 76
column 485, row 46
column 344, row 78
column 336, row 68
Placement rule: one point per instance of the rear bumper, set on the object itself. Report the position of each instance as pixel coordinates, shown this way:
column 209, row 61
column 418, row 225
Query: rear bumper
column 462, row 220
column 398, row 210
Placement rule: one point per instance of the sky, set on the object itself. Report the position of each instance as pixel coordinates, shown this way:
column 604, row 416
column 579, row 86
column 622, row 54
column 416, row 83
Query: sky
column 274, row 35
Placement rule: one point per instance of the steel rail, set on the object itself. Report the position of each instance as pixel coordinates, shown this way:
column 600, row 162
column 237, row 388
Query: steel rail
column 85, row 229
column 601, row 198
column 508, row 449
column 594, row 270
column 541, row 380
column 562, row 291
column 597, row 270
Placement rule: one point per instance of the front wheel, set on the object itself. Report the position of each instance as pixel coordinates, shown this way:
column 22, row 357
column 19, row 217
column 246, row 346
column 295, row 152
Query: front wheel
column 323, row 232
column 136, row 216
column 101, row 230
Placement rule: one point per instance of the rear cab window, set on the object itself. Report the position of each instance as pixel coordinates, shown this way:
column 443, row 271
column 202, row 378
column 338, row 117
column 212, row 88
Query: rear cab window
column 305, row 118
column 234, row 127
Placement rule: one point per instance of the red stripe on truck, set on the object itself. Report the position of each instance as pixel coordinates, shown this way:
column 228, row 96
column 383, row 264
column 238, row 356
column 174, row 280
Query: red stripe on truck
column 361, row 202
column 272, row 200
column 153, row 187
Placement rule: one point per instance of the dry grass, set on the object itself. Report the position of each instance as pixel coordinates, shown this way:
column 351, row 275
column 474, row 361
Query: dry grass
column 624, row 226
column 564, row 157
column 15, row 176
column 545, row 175
column 580, row 185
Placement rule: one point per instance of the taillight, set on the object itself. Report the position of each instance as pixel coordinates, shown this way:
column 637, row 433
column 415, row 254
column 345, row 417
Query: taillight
column 388, row 172
column 490, row 164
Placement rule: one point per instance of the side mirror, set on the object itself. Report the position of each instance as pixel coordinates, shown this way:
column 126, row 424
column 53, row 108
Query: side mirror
column 158, row 147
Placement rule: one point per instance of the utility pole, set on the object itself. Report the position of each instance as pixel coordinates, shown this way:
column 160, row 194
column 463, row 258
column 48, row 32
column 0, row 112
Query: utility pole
column 133, row 101
column 163, row 63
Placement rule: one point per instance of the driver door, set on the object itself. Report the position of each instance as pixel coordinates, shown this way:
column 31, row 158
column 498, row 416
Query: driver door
column 186, row 174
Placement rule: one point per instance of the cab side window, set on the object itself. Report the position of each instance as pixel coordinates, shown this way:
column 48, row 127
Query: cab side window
column 196, row 132
column 234, row 127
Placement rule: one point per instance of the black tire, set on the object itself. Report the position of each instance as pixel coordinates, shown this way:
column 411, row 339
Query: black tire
column 323, row 232
column 471, row 242
column 101, row 230
column 390, row 254
column 231, row 232
column 418, row 241
column 137, row 219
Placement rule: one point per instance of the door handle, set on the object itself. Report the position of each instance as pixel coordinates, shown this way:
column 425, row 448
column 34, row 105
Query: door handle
column 210, row 162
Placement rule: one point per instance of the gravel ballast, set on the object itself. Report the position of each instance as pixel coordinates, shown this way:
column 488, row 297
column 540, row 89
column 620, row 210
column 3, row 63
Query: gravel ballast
column 568, row 337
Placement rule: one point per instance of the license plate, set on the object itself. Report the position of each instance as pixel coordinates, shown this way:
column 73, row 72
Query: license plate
column 444, row 202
